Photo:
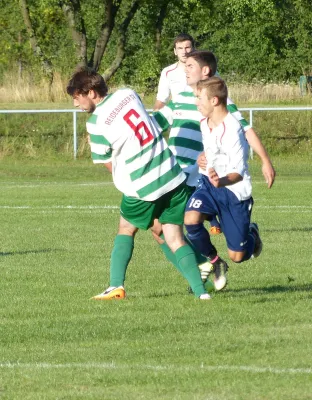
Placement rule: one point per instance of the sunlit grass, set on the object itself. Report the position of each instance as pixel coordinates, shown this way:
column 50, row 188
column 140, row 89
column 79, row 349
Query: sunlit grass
column 251, row 341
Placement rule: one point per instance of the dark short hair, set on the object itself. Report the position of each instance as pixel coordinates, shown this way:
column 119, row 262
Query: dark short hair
column 182, row 37
column 84, row 80
column 205, row 59
column 215, row 87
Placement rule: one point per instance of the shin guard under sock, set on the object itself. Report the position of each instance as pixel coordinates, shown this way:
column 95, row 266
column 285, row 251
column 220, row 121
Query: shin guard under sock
column 187, row 262
column 120, row 258
column 200, row 239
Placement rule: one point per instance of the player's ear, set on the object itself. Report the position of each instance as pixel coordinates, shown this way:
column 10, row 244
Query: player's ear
column 205, row 72
column 175, row 51
column 92, row 94
column 215, row 101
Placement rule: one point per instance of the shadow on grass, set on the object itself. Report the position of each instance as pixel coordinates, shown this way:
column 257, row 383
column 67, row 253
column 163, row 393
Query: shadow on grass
column 290, row 229
column 158, row 295
column 17, row 253
column 307, row 287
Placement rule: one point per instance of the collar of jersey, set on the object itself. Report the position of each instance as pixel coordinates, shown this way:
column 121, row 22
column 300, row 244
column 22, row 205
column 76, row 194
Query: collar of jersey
column 104, row 100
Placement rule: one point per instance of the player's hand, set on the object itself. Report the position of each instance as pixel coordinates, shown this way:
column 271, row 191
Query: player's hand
column 269, row 174
column 201, row 161
column 213, row 177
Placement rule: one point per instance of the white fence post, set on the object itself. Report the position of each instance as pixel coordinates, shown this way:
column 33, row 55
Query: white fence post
column 250, row 123
column 75, row 133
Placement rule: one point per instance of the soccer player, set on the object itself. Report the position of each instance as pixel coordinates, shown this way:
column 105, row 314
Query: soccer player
column 202, row 65
column 172, row 79
column 225, row 185
column 124, row 138
column 185, row 139
column 172, row 82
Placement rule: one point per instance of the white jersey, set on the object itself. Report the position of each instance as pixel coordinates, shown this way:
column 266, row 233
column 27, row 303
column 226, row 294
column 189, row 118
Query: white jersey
column 172, row 82
column 122, row 132
column 226, row 151
column 185, row 138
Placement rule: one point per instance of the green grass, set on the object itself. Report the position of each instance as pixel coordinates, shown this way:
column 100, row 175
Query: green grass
column 251, row 341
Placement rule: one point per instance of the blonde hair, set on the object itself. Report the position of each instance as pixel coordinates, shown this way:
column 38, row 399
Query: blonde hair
column 215, row 87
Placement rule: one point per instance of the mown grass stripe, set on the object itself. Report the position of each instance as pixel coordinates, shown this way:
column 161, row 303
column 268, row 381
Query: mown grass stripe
column 237, row 368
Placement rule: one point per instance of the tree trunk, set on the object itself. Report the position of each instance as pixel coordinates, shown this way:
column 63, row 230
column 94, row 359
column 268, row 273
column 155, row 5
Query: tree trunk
column 122, row 30
column 45, row 63
column 19, row 61
column 111, row 10
column 73, row 15
column 159, row 25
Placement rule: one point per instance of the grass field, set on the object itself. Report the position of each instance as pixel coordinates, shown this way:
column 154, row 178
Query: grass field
column 251, row 341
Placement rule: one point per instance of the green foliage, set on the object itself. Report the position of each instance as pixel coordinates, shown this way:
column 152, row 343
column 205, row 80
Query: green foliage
column 12, row 46
column 267, row 40
column 255, row 40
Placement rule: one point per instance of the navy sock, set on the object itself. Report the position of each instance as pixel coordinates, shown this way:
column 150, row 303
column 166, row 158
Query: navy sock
column 199, row 257
column 199, row 237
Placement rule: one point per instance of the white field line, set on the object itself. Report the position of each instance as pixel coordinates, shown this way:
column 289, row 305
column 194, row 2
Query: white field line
column 174, row 368
column 60, row 207
column 286, row 207
column 114, row 207
column 36, row 185
column 45, row 184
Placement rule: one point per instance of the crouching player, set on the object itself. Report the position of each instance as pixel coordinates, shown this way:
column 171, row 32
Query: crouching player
column 225, row 186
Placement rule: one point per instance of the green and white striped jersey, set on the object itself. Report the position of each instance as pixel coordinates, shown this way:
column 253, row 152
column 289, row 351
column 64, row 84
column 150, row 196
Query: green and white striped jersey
column 122, row 132
column 185, row 138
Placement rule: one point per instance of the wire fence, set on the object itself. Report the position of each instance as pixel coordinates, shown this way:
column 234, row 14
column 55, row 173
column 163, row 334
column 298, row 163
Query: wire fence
column 75, row 111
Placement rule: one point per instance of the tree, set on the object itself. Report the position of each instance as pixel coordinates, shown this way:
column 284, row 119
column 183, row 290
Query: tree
column 115, row 15
column 45, row 62
column 130, row 41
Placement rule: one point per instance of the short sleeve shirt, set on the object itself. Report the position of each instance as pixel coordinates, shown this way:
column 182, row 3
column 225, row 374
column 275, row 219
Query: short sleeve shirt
column 122, row 132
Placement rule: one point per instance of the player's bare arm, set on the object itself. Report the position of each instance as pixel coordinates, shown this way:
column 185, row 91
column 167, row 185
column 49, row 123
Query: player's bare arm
column 202, row 161
column 108, row 166
column 257, row 146
column 229, row 179
column 158, row 105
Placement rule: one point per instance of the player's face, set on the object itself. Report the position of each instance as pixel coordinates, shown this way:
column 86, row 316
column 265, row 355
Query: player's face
column 194, row 73
column 181, row 49
column 84, row 102
column 204, row 104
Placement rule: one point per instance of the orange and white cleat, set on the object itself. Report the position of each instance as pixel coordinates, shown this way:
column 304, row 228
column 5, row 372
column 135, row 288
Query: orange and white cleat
column 111, row 293
column 215, row 230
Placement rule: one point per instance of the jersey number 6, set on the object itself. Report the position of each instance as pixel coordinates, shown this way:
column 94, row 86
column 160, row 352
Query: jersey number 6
column 139, row 127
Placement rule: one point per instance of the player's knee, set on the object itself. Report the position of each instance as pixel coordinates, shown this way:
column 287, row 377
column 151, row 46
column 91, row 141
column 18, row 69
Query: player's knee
column 192, row 218
column 236, row 257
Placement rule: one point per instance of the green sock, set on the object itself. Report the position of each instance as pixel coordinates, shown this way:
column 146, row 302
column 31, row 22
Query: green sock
column 170, row 255
column 120, row 258
column 199, row 257
column 188, row 265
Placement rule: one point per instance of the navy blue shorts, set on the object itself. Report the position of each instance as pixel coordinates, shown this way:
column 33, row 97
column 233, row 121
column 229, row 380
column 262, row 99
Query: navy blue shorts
column 234, row 215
